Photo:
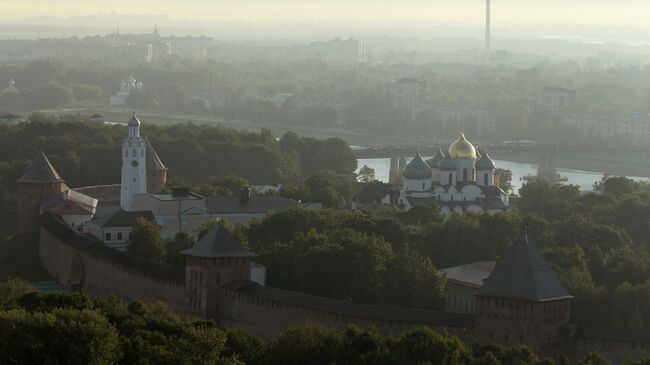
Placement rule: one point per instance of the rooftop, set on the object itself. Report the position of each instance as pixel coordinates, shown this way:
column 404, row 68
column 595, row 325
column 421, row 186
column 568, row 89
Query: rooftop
column 169, row 197
column 218, row 243
column 472, row 274
column 523, row 273
column 123, row 218
column 81, row 204
column 41, row 171
column 153, row 161
column 255, row 204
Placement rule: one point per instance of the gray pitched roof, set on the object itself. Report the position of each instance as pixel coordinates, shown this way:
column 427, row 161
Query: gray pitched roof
column 153, row 161
column 41, row 171
column 83, row 201
column 470, row 274
column 218, row 243
column 523, row 273
column 417, row 169
column 256, row 204
column 123, row 218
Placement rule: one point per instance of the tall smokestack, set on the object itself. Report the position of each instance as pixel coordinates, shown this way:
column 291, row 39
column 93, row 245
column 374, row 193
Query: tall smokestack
column 488, row 36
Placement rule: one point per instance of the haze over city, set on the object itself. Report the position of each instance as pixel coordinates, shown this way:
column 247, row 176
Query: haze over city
column 374, row 182
column 600, row 20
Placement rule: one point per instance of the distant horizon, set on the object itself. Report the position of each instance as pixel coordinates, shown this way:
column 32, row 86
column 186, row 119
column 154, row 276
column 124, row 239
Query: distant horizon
column 103, row 24
column 588, row 19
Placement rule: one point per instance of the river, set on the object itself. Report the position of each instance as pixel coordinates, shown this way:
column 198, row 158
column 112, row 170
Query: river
column 584, row 179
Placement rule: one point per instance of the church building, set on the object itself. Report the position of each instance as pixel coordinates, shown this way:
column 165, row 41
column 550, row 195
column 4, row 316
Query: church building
column 461, row 180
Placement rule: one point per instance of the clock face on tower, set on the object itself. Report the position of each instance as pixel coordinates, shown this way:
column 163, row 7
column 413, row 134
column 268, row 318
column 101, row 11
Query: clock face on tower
column 134, row 163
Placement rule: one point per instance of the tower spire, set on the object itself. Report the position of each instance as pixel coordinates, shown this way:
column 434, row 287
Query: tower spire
column 488, row 35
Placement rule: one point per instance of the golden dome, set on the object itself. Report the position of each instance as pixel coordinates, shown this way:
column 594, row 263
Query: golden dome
column 462, row 148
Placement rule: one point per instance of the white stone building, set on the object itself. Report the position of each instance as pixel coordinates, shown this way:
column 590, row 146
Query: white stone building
column 134, row 160
column 460, row 181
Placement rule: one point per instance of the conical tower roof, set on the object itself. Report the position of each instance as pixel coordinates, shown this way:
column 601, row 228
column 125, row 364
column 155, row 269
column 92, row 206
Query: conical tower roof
column 218, row 243
column 485, row 162
column 41, row 171
column 523, row 273
column 153, row 161
column 437, row 158
column 417, row 169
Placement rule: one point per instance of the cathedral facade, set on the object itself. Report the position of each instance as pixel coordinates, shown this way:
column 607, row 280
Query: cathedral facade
column 460, row 180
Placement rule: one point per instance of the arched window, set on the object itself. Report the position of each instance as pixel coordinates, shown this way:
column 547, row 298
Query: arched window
column 135, row 153
column 485, row 179
column 464, row 174
column 451, row 180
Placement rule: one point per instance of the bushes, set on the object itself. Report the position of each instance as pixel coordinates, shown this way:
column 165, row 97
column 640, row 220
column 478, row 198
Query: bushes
column 59, row 336
column 73, row 328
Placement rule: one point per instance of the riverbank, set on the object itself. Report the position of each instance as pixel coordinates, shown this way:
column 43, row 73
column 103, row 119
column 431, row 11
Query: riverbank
column 601, row 162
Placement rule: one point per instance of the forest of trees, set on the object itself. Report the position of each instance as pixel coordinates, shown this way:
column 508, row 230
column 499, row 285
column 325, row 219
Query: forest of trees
column 597, row 243
column 72, row 328
column 87, row 153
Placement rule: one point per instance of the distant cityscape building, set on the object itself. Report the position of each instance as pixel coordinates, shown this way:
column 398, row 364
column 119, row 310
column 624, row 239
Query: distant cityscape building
column 409, row 95
column 558, row 100
column 630, row 128
column 340, row 51
column 479, row 121
column 11, row 118
column 126, row 88
column 11, row 88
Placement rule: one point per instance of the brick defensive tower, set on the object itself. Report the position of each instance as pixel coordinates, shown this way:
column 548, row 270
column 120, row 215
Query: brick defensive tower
column 522, row 302
column 217, row 259
column 40, row 182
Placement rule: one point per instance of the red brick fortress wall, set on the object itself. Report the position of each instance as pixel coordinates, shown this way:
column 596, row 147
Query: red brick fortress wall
column 267, row 316
column 98, row 270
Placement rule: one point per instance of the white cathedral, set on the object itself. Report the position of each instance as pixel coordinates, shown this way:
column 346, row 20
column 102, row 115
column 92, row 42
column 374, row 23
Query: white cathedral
column 461, row 180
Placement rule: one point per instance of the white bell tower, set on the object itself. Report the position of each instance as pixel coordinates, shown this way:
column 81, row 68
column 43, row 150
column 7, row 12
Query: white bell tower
column 134, row 169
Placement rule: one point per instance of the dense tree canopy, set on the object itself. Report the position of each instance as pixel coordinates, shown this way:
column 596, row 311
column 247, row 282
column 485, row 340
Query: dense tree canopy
column 73, row 328
column 87, row 153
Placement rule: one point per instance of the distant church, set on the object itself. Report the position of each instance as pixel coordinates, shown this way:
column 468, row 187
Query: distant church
column 461, row 180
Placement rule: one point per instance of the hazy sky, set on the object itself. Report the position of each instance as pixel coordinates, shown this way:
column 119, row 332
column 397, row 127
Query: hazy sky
column 460, row 12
